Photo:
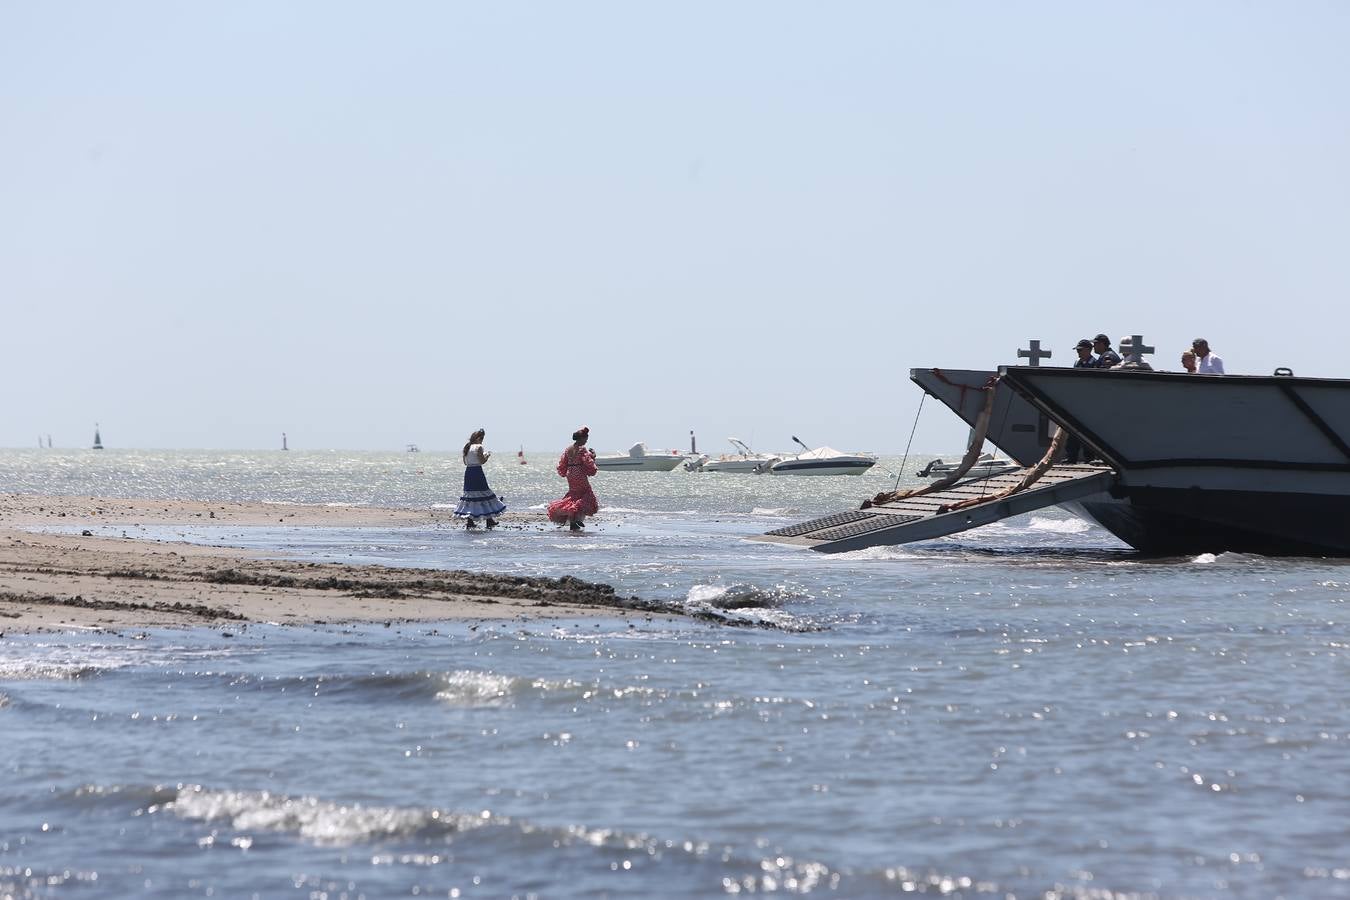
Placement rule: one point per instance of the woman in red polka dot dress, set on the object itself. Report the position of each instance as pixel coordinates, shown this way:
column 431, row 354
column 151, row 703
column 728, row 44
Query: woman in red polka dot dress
column 577, row 465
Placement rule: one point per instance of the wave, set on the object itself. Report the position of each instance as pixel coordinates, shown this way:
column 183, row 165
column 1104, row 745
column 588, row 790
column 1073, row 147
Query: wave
column 144, row 798
column 319, row 821
column 240, row 817
column 743, row 596
column 464, row 687
column 1059, row 526
column 775, row 511
column 884, row 553
column 1229, row 558
column 50, row 661
column 46, row 670
column 747, row 605
column 470, row 688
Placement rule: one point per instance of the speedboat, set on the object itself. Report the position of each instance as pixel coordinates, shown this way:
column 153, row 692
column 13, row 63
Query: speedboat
column 987, row 464
column 746, row 461
column 823, row 461
column 695, row 463
column 640, row 459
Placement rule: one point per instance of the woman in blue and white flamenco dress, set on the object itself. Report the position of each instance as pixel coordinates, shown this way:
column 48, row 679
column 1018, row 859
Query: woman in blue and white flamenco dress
column 477, row 499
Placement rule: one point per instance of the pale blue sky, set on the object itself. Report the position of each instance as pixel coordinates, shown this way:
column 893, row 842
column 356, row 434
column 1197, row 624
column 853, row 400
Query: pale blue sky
column 367, row 224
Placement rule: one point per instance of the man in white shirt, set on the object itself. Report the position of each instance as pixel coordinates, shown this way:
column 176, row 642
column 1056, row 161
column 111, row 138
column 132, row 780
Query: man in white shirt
column 1206, row 363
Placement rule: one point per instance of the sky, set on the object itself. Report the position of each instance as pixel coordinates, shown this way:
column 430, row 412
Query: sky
column 366, row 224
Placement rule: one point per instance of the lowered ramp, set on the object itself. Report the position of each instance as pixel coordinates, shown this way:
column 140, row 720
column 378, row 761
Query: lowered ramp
column 925, row 517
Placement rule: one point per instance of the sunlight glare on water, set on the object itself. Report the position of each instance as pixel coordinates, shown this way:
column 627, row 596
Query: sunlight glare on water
column 1027, row 709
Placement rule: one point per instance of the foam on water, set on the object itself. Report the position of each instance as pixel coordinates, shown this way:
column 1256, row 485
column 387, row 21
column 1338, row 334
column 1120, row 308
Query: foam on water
column 744, row 596
column 578, row 544
column 744, row 604
column 20, row 670
column 1059, row 525
column 330, row 824
column 38, row 658
column 312, row 819
column 898, row 552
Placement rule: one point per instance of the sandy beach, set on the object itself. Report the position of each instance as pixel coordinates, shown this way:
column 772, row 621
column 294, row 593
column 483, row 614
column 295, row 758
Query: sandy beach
column 51, row 582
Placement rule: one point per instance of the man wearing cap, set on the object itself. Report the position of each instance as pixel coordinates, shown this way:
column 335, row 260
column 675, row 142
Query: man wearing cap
column 1106, row 357
column 1206, row 363
column 1085, row 358
column 1074, row 451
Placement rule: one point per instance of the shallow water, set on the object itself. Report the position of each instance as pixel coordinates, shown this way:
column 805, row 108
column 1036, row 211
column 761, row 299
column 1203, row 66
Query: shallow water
column 1024, row 709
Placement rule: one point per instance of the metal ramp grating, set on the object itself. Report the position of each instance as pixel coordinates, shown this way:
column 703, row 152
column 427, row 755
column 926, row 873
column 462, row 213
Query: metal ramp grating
column 843, row 518
column 853, row 529
column 930, row 516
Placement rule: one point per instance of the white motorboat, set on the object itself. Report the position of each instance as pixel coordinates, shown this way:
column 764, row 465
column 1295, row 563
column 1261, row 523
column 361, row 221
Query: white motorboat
column 823, row 461
column 746, row 461
column 987, row 464
column 640, row 459
column 695, row 463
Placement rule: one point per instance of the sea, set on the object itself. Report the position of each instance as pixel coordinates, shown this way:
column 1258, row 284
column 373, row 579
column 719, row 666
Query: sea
column 1029, row 709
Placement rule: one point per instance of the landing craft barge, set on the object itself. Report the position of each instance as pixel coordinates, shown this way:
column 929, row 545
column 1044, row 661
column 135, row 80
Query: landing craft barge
column 1187, row 463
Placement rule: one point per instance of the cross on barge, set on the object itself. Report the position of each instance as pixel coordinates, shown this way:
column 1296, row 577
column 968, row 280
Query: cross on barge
column 1189, row 463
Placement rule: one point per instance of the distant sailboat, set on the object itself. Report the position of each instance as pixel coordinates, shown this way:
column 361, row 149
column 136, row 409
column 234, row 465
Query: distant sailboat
column 413, row 448
column 98, row 441
column 283, row 441
column 520, row 455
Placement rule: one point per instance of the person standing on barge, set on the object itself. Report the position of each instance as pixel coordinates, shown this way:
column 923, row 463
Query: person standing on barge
column 1206, row 363
column 1106, row 357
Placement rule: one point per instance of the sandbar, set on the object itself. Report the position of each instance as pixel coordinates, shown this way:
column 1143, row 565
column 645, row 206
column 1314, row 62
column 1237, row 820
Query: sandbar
column 83, row 581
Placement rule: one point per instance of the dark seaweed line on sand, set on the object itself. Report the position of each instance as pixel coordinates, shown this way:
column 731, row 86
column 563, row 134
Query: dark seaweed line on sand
column 78, row 601
column 564, row 591
column 392, row 585
column 458, row 583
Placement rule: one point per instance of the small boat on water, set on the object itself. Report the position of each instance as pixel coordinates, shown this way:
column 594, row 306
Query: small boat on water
column 746, row 461
column 640, row 459
column 987, row 464
column 823, row 461
column 98, row 441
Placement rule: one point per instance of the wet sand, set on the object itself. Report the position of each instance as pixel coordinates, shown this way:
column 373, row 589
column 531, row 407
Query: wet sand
column 60, row 582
